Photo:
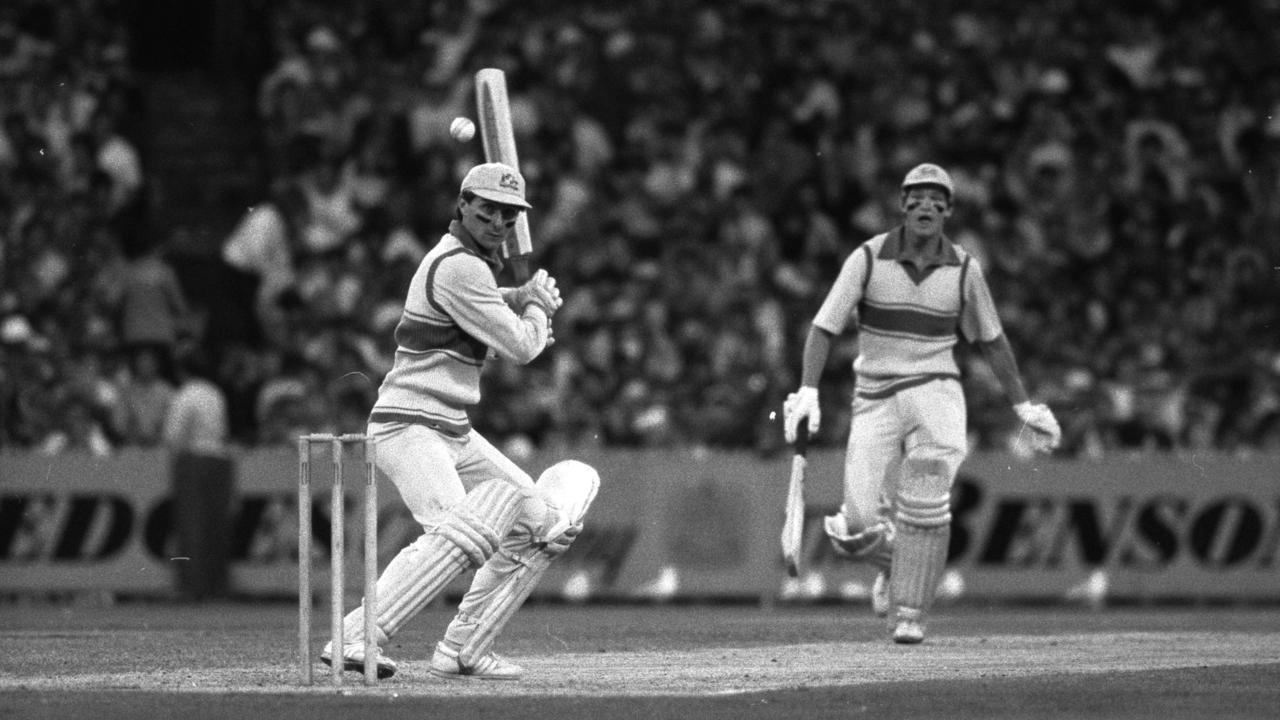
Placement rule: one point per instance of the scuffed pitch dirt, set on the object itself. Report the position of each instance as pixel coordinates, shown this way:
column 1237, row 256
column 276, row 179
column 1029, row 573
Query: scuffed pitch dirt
column 727, row 671
column 731, row 662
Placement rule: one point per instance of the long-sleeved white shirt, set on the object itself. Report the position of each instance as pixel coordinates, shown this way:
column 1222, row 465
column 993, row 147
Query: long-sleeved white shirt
column 454, row 313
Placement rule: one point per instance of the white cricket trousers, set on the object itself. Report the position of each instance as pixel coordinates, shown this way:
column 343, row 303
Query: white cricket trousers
column 434, row 471
column 927, row 422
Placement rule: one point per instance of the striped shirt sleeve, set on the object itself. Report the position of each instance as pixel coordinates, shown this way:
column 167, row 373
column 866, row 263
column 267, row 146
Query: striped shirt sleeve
column 979, row 322
column 464, row 289
column 842, row 300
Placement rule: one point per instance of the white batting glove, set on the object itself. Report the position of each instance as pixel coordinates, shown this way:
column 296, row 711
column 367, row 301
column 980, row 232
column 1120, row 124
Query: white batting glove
column 561, row 542
column 540, row 290
column 548, row 289
column 1045, row 433
column 802, row 403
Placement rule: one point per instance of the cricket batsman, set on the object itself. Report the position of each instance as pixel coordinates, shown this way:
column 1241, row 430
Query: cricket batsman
column 478, row 510
column 911, row 294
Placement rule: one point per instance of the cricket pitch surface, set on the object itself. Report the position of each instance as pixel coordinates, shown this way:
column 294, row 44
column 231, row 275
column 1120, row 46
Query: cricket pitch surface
column 143, row 660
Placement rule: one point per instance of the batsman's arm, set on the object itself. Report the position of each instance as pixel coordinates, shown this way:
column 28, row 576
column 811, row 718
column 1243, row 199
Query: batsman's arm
column 465, row 288
column 817, row 349
column 1039, row 418
column 980, row 323
column 802, row 408
column 999, row 355
column 833, row 317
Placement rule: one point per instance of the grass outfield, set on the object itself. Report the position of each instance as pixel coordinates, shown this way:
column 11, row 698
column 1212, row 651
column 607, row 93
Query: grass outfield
column 159, row 660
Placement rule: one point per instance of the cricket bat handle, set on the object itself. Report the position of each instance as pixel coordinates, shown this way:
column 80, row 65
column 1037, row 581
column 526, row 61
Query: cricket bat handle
column 520, row 268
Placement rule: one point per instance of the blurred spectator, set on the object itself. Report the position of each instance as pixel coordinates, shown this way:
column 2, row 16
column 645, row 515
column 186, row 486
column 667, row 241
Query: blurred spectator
column 147, row 397
column 78, row 428
column 263, row 245
column 27, row 382
column 695, row 179
column 202, row 478
column 197, row 420
column 119, row 159
column 152, row 309
column 285, row 400
column 331, row 219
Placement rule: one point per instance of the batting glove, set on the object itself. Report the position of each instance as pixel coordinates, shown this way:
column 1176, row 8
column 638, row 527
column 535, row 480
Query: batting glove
column 1045, row 433
column 540, row 290
column 561, row 542
column 802, row 403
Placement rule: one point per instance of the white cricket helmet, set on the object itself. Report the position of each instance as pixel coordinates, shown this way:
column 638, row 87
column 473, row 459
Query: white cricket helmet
column 929, row 174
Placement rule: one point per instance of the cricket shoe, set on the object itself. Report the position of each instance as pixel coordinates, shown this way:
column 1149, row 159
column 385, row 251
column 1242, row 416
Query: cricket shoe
column 881, row 603
column 909, row 628
column 445, row 664
column 353, row 659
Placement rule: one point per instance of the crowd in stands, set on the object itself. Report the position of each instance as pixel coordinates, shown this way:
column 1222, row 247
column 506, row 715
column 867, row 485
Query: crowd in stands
column 699, row 172
column 89, row 310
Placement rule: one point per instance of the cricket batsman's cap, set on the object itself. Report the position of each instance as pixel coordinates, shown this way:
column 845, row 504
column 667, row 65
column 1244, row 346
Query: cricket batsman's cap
column 497, row 182
column 929, row 174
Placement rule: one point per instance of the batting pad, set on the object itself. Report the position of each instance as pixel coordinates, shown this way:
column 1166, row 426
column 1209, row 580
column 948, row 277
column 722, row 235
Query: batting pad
column 919, row 557
column 496, row 593
column 568, row 487
column 468, row 537
column 873, row 545
column 503, row 584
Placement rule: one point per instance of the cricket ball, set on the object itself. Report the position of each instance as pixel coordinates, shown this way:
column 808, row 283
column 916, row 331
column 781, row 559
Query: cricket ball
column 462, row 129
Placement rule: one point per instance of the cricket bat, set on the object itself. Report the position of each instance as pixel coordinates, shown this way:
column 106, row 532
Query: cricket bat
column 493, row 108
column 793, row 528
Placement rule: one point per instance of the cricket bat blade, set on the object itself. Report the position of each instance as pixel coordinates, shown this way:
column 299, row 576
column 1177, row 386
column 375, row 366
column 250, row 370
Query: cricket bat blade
column 493, row 110
column 793, row 527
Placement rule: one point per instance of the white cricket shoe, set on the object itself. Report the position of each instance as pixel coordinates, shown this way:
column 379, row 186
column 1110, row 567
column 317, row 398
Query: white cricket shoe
column 909, row 628
column 353, row 659
column 445, row 664
column 881, row 603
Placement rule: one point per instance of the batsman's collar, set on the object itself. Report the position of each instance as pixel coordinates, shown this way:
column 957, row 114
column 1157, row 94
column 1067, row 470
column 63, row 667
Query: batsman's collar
column 937, row 252
column 494, row 259
column 497, row 182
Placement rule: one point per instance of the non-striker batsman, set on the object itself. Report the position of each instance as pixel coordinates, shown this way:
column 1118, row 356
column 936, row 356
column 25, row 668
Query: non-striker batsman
column 913, row 294
column 476, row 507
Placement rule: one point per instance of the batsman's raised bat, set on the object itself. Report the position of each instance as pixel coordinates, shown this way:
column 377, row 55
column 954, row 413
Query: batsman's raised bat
column 793, row 528
column 493, row 109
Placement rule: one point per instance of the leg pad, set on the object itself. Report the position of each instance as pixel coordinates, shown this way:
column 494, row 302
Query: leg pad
column 467, row 538
column 873, row 545
column 501, row 586
column 918, row 561
column 923, row 518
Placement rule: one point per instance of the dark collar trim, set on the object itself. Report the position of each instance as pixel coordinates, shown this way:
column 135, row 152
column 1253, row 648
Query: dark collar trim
column 895, row 248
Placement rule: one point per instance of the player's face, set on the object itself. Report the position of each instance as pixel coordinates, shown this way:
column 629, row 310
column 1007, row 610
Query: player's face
column 488, row 222
column 926, row 209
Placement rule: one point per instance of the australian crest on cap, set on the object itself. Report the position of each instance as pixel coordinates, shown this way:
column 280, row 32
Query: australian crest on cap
column 510, row 182
column 928, row 174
